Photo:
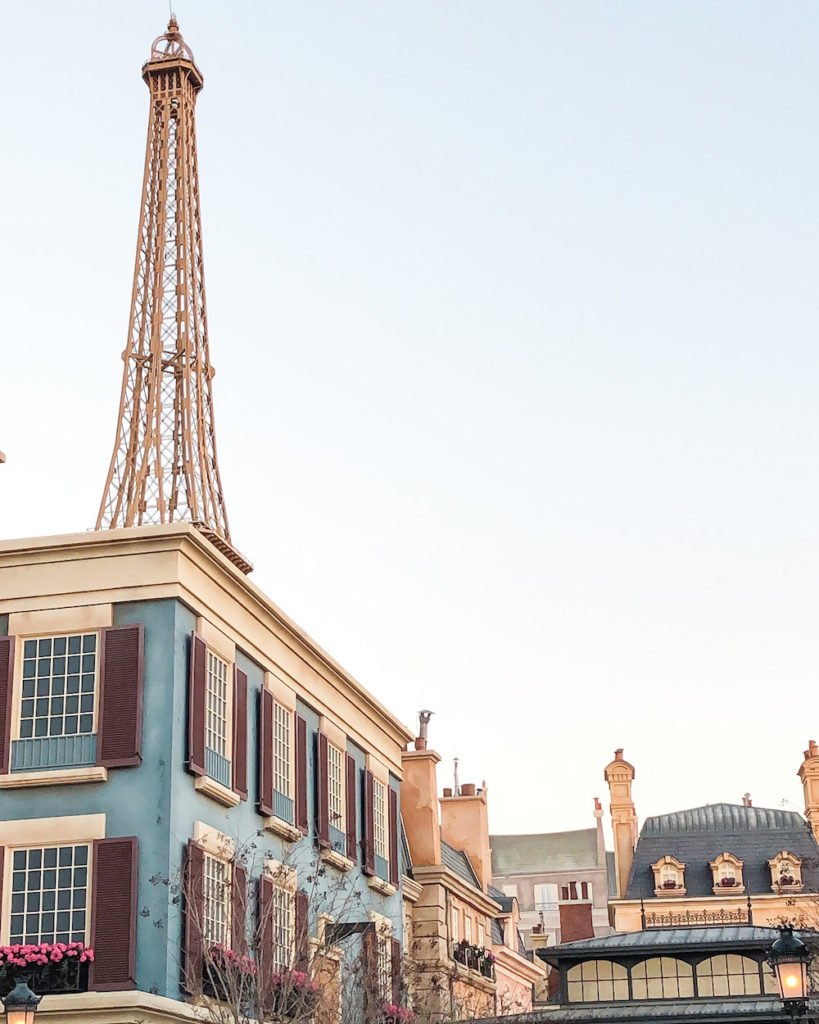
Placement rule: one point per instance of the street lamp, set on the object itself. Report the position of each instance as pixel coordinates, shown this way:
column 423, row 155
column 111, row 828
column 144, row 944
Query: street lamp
column 21, row 1004
column 789, row 957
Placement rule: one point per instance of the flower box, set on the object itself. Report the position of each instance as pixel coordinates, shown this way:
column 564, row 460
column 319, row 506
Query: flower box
column 669, row 883
column 392, row 1013
column 787, row 880
column 293, row 994
column 48, row 967
column 227, row 975
column 728, row 883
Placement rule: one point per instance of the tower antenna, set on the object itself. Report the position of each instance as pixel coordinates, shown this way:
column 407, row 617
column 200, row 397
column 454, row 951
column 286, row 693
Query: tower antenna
column 164, row 467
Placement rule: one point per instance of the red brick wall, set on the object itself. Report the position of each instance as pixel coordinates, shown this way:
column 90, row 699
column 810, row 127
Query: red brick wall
column 575, row 921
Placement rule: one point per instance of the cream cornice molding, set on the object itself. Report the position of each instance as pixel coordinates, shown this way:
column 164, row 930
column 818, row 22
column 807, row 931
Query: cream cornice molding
column 191, row 553
column 116, row 1008
column 520, row 964
column 437, row 874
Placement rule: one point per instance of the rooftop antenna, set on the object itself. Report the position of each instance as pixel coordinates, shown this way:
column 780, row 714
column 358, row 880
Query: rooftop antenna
column 456, row 788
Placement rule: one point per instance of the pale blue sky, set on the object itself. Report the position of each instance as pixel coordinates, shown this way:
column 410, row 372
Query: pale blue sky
column 513, row 309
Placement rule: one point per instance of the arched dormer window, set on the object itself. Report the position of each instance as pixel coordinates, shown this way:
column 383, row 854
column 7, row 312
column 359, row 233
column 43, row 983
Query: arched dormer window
column 669, row 877
column 727, row 874
column 786, row 872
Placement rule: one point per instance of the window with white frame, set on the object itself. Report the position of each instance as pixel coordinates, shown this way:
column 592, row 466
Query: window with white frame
column 283, row 927
column 49, row 894
column 216, row 729
column 467, row 928
column 282, row 758
column 335, row 780
column 545, row 896
column 380, row 820
column 216, row 902
column 481, row 934
column 58, row 685
column 456, row 935
column 384, row 946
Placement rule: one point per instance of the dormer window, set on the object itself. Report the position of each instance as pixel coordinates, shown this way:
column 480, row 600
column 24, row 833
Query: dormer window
column 669, row 877
column 727, row 875
column 786, row 872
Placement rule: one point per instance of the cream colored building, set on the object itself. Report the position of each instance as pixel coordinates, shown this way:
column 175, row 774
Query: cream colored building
column 722, row 864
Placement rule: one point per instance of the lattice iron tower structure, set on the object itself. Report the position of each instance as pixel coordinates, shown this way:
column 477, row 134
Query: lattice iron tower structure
column 164, row 467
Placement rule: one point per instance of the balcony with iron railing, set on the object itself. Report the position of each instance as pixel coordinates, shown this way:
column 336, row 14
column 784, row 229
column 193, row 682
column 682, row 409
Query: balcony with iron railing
column 474, row 958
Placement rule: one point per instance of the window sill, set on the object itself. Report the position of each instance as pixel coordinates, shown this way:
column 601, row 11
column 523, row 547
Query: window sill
column 474, row 978
column 680, row 891
column 787, row 890
column 338, row 860
column 280, row 827
column 728, row 890
column 54, row 777
column 382, row 886
column 210, row 787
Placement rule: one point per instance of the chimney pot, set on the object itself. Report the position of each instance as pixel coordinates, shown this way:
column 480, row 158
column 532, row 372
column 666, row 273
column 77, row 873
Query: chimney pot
column 618, row 754
column 468, row 789
column 447, row 791
column 420, row 743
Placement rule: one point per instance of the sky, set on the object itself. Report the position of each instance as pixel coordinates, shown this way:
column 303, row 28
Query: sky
column 513, row 312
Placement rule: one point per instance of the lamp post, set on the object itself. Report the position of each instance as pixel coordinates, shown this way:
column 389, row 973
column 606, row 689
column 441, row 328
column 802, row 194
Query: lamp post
column 789, row 957
column 21, row 1004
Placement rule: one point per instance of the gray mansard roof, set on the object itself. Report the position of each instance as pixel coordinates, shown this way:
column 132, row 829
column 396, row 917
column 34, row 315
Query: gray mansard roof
column 696, row 836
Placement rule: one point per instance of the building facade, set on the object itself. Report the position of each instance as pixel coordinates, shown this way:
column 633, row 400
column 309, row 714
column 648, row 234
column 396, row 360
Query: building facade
column 560, row 880
column 180, row 749
column 732, row 864
column 468, row 959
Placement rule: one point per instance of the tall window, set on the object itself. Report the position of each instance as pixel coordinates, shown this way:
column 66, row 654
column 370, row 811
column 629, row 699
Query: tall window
column 576, row 891
column 49, row 894
column 597, row 981
column 467, row 927
column 335, row 777
column 216, row 902
column 456, row 935
column 58, row 683
column 380, row 819
column 384, row 965
column 216, row 734
column 662, row 978
column 283, row 928
column 546, row 896
column 281, row 749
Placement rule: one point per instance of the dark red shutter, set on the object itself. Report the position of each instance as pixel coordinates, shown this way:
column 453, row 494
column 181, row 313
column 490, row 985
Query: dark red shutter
column 264, row 932
column 369, row 829
column 302, row 961
column 265, row 761
column 392, row 799
column 352, row 825
column 120, row 701
column 240, row 732
column 193, row 885
column 6, row 680
column 395, row 964
column 238, row 909
column 114, row 914
column 323, row 801
column 196, row 706
column 302, row 819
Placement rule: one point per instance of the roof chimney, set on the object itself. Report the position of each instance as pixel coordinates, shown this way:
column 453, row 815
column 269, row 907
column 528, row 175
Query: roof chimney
column 619, row 774
column 746, row 800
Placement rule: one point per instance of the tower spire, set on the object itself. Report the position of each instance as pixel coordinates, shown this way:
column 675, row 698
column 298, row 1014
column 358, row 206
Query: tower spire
column 164, row 467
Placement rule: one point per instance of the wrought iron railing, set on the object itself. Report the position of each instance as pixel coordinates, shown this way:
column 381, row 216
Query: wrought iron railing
column 217, row 767
column 283, row 807
column 53, row 752
column 693, row 918
column 338, row 841
column 68, row 976
column 474, row 959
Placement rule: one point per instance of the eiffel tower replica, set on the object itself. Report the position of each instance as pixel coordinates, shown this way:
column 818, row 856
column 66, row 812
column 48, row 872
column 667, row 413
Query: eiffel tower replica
column 164, row 467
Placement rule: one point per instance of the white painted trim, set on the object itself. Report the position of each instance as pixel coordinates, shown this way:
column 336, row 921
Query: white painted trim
column 216, row 640
column 282, row 828
column 47, row 621
column 72, row 828
column 55, row 777
column 214, row 842
column 210, row 787
column 338, row 860
column 283, row 693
